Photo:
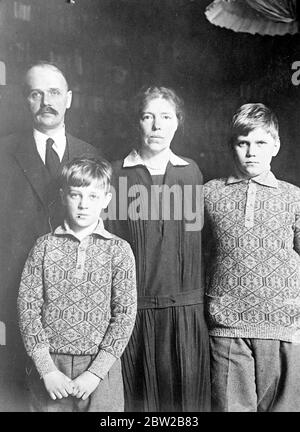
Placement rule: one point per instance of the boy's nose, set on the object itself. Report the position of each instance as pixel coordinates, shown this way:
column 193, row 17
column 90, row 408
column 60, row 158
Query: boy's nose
column 251, row 150
column 83, row 203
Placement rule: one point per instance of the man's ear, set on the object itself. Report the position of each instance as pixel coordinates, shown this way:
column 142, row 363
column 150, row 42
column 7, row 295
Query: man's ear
column 69, row 99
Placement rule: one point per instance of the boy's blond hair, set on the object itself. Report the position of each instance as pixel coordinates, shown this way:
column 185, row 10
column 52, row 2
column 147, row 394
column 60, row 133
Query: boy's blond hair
column 251, row 116
column 83, row 171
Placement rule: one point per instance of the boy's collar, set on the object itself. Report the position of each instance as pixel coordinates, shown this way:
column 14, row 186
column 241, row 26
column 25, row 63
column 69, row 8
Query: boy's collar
column 99, row 230
column 266, row 179
column 134, row 159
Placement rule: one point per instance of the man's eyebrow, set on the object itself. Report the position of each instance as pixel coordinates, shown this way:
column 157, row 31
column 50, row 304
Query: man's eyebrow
column 164, row 112
column 38, row 89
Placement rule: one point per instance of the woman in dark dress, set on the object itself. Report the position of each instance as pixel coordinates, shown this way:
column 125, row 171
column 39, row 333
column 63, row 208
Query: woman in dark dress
column 166, row 363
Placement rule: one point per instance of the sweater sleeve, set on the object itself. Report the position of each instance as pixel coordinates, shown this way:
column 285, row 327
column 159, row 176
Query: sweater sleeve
column 123, row 310
column 30, row 303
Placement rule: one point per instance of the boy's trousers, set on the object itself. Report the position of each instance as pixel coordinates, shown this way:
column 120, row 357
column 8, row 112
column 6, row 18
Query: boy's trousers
column 254, row 375
column 108, row 396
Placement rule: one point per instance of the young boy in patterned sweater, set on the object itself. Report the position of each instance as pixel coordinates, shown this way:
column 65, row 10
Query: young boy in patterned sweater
column 77, row 301
column 253, row 287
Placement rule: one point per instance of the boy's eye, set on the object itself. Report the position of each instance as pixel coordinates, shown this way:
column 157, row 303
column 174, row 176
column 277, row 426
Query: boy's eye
column 93, row 196
column 242, row 143
column 167, row 116
column 74, row 195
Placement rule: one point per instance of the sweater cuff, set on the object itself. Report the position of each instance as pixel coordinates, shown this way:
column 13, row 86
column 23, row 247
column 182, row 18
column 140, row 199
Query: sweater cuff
column 101, row 364
column 43, row 362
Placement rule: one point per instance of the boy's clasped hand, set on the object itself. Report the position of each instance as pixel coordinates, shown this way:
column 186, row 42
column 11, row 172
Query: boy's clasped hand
column 58, row 385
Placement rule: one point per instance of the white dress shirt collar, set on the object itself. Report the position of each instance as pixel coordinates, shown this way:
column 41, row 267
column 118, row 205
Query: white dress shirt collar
column 59, row 138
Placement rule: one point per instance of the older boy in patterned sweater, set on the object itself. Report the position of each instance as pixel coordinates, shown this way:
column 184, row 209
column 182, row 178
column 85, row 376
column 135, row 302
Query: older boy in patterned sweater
column 77, row 301
column 253, row 290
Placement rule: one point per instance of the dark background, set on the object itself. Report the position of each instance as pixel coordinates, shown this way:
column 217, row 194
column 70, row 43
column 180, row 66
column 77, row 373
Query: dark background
column 110, row 48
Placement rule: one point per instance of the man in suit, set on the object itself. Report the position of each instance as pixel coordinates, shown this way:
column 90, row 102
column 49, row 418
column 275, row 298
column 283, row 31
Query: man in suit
column 30, row 165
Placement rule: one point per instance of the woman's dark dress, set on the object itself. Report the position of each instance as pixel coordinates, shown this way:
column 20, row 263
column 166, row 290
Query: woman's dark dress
column 166, row 363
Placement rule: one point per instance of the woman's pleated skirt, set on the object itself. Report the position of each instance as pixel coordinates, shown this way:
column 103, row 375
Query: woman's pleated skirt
column 166, row 362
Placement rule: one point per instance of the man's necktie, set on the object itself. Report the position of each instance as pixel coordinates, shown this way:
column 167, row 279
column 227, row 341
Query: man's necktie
column 52, row 160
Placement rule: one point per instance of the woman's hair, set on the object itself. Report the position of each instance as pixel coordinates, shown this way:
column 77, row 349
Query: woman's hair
column 147, row 94
column 83, row 171
column 251, row 116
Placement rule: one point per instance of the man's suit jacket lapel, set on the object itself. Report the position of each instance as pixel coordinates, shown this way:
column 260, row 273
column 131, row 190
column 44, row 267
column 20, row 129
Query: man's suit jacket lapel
column 75, row 147
column 32, row 167
column 36, row 173
column 71, row 146
column 78, row 148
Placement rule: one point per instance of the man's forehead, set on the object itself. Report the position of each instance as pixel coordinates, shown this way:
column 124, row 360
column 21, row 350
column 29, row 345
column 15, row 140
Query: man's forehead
column 45, row 75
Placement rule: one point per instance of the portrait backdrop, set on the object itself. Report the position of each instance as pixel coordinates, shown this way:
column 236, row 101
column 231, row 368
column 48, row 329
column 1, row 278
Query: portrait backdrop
column 110, row 48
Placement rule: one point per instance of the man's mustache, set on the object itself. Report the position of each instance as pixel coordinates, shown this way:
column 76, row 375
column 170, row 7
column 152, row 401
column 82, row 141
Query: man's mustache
column 47, row 110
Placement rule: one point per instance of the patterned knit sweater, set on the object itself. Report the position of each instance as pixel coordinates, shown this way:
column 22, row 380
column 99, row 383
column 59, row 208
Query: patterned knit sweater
column 77, row 297
column 253, row 286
